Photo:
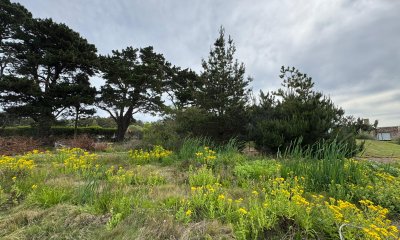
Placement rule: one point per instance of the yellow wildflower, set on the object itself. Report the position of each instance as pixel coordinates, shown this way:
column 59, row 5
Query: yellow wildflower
column 242, row 211
column 188, row 212
column 239, row 200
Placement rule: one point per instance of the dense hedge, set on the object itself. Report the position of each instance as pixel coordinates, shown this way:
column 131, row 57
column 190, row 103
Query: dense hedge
column 58, row 131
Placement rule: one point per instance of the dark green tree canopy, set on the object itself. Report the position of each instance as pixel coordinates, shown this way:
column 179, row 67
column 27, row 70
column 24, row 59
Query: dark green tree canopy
column 220, row 95
column 134, row 82
column 48, row 58
column 12, row 18
column 223, row 85
column 180, row 86
column 294, row 111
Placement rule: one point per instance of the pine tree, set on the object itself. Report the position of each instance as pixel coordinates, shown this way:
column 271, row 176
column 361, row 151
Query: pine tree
column 295, row 111
column 133, row 84
column 221, row 94
column 48, row 57
column 223, row 85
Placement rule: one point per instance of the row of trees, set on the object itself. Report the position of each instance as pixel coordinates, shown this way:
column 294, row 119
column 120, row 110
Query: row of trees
column 45, row 70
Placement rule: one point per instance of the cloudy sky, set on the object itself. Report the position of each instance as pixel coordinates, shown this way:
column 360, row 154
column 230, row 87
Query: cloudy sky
column 351, row 48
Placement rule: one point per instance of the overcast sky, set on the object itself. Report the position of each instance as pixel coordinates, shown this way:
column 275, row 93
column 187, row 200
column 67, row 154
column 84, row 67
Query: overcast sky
column 351, row 48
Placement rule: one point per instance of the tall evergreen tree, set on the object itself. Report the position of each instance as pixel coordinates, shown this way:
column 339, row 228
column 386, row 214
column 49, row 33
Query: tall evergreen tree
column 220, row 96
column 12, row 18
column 48, row 57
column 223, row 84
column 134, row 82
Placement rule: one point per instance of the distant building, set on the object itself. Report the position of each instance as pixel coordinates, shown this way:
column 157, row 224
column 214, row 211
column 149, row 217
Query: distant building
column 387, row 133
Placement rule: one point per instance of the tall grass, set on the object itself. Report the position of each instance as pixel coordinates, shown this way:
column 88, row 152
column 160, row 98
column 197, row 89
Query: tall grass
column 192, row 145
column 233, row 146
column 323, row 165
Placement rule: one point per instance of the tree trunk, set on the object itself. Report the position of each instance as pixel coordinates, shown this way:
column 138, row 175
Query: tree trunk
column 123, row 124
column 76, row 122
column 43, row 131
column 121, row 130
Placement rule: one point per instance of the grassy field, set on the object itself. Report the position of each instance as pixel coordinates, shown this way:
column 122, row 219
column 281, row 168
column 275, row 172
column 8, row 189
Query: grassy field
column 381, row 149
column 198, row 192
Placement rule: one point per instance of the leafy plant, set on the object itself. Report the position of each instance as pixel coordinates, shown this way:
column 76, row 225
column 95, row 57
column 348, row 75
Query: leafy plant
column 202, row 176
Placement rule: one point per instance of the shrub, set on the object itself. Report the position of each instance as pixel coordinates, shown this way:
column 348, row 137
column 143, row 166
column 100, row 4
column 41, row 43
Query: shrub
column 365, row 136
column 202, row 176
column 134, row 131
column 257, row 170
column 85, row 142
column 162, row 133
column 59, row 131
column 81, row 141
column 17, row 145
column 121, row 177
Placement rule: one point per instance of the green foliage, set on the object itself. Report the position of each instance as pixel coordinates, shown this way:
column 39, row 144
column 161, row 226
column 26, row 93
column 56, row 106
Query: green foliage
column 45, row 76
column 133, row 83
column 83, row 96
column 87, row 193
column 161, row 133
column 13, row 16
column 321, row 191
column 202, row 176
column 191, row 146
column 135, row 131
column 323, row 165
column 179, row 86
column 104, row 122
column 220, row 97
column 3, row 196
column 365, row 136
column 223, row 82
column 256, row 170
column 297, row 111
column 47, row 196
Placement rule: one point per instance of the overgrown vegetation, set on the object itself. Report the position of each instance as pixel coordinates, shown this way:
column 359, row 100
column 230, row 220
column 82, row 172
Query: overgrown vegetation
column 312, row 193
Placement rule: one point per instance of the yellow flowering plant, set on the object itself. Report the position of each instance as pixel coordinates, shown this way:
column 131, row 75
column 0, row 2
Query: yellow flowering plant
column 158, row 153
column 206, row 156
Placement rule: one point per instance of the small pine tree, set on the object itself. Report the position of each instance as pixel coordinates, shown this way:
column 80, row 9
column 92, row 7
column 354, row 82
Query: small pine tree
column 221, row 94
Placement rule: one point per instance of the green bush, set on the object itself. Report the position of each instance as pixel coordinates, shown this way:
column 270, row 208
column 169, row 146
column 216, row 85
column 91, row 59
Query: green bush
column 202, row 177
column 162, row 133
column 365, row 136
column 256, row 169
